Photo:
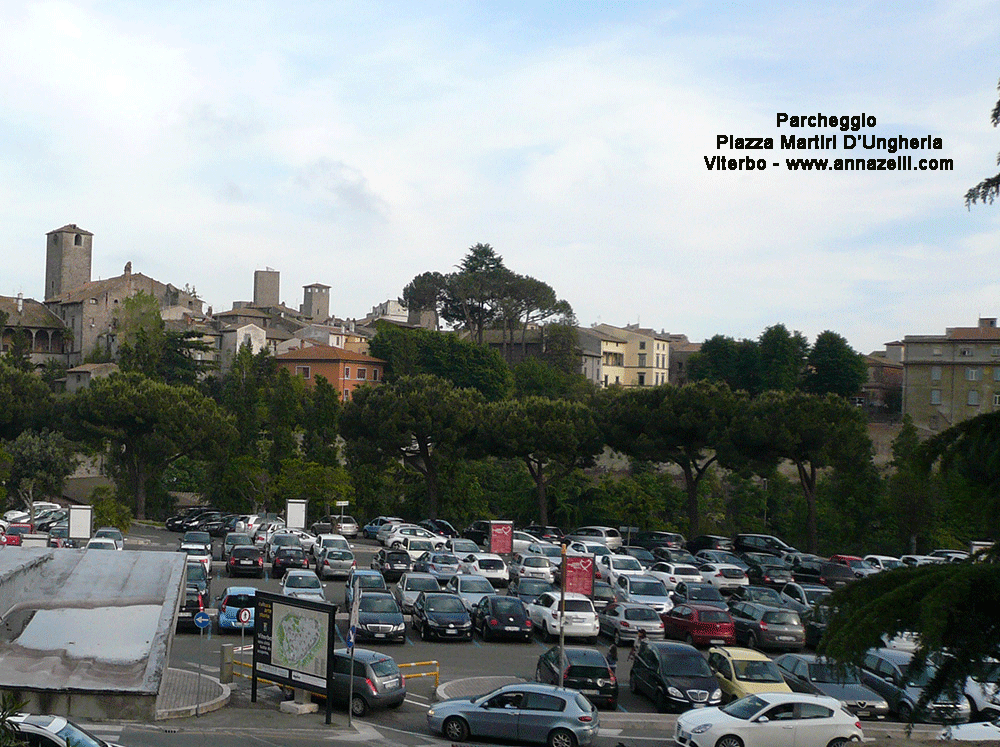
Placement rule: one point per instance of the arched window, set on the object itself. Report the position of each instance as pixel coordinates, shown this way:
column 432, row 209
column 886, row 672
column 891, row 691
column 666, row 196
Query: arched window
column 78, row 240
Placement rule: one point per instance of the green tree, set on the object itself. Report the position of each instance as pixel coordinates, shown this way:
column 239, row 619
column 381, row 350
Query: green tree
column 422, row 420
column 735, row 363
column 321, row 422
column 10, row 733
column 989, row 188
column 684, row 426
column 241, row 483
column 318, row 484
column 910, row 486
column 810, row 431
column 782, row 358
column 834, row 367
column 109, row 511
column 472, row 296
column 426, row 292
column 148, row 425
column 551, row 437
column 25, row 402
column 41, row 462
column 533, row 377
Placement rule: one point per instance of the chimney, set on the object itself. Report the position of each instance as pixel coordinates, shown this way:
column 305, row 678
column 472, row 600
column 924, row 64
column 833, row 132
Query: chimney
column 986, row 322
column 20, row 303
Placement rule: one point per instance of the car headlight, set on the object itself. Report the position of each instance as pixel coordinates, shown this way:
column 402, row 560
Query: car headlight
column 675, row 692
column 717, row 695
column 701, row 728
column 465, row 625
column 400, row 626
column 430, row 711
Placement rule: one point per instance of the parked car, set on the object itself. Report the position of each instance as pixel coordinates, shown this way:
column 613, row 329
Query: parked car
column 582, row 669
column 765, row 595
column 520, row 541
column 653, row 539
column 579, row 620
column 196, row 538
column 49, row 731
column 721, row 556
column 607, row 536
column 282, row 539
column 370, row 529
column 439, row 526
column 613, row 566
column 742, row 672
column 327, row 539
column 478, row 532
column 335, row 563
column 470, row 589
column 398, row 534
column 379, row 618
column 545, row 533
column 883, row 562
column 526, row 589
column 760, row 626
column 709, row 542
column 245, row 560
column 378, row 683
column 807, row 673
column 768, row 720
column 803, row 597
column 644, row 556
column 765, row 543
column 549, row 550
column 674, row 555
column 300, row 583
column 646, row 590
column 288, row 556
column 234, row 539
column 345, row 526
column 987, row 732
column 416, row 546
column 622, row 622
column 191, row 605
column 886, row 671
column 671, row 574
column 699, row 625
column 602, row 594
column 725, row 577
column 440, row 615
column 767, row 570
column 488, row 566
column 232, row 600
column 195, row 575
column 365, row 581
column 833, row 575
column 196, row 553
column 392, row 564
column 174, row 523
column 441, row 565
column 560, row 717
column 532, row 566
column 857, row 564
column 501, row 617
column 702, row 593
column 461, row 546
column 675, row 676
column 409, row 586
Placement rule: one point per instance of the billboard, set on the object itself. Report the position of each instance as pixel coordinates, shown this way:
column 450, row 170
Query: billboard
column 578, row 575
column 294, row 645
column 295, row 514
column 501, row 537
column 81, row 522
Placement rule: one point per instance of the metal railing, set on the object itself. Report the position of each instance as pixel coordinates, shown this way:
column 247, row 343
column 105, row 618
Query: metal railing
column 436, row 673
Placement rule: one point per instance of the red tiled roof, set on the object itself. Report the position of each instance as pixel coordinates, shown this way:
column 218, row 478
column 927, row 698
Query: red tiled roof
column 326, row 353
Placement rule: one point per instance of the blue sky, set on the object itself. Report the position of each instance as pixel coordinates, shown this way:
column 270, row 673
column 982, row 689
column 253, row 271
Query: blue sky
column 360, row 144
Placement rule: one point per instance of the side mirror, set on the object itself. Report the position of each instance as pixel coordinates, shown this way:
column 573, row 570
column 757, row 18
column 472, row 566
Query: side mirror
column 762, row 719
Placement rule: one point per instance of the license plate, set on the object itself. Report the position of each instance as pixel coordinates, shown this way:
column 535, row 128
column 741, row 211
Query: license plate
column 451, row 632
column 380, row 635
column 511, row 627
column 864, row 713
column 684, row 735
column 717, row 642
column 246, row 562
column 786, row 638
column 393, row 683
column 591, row 692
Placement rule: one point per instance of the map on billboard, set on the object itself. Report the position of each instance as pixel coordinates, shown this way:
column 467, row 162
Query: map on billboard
column 299, row 639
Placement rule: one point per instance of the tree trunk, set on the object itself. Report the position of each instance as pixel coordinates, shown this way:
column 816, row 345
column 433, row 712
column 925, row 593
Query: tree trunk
column 537, row 471
column 430, row 474
column 691, row 487
column 808, row 480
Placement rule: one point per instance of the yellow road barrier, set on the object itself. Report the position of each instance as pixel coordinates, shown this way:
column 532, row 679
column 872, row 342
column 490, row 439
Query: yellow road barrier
column 436, row 673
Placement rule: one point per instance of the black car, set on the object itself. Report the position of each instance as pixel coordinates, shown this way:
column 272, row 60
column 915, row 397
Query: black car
column 764, row 543
column 51, row 519
column 392, row 564
column 767, row 570
column 194, row 602
column 709, row 542
column 220, row 525
column 196, row 520
column 832, row 575
column 501, row 617
column 604, row 594
column 379, row 618
column 245, row 560
column 675, row 676
column 439, row 526
column 440, row 615
column 174, row 523
column 288, row 556
column 765, row 595
column 674, row 555
column 479, row 532
column 545, row 533
column 652, row 540
column 691, row 593
column 197, row 576
column 526, row 589
column 805, row 673
column 644, row 556
column 583, row 669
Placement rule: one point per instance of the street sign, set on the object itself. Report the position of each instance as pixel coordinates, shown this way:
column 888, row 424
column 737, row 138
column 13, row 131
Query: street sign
column 342, row 503
column 202, row 620
column 243, row 615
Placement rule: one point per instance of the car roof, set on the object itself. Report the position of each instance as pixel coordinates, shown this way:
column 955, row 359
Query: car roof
column 363, row 654
column 738, row 653
column 299, row 572
column 672, row 647
column 894, row 655
column 249, row 590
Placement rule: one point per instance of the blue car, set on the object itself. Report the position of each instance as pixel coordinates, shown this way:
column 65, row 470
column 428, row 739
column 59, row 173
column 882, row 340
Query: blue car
column 233, row 600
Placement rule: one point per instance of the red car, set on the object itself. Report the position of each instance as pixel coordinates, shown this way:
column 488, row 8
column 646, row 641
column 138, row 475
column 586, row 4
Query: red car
column 699, row 625
column 14, row 532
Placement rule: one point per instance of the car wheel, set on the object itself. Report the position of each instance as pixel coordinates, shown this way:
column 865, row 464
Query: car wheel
column 359, row 706
column 751, row 641
column 424, row 636
column 905, row 712
column 839, row 742
column 729, row 741
column 455, row 729
column 633, row 683
column 562, row 738
column 689, row 640
column 618, row 639
column 538, row 674
column 396, row 545
column 662, row 704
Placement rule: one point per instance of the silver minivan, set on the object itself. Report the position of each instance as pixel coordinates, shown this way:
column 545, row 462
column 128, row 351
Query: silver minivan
column 608, row 536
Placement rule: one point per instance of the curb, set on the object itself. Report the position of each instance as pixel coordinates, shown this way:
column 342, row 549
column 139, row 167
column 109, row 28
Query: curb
column 480, row 684
column 199, row 708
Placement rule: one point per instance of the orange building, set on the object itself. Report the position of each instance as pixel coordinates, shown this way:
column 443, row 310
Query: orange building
column 344, row 369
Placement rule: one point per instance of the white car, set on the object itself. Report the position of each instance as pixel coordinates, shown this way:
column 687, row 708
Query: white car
column 613, row 566
column 977, row 731
column 470, row 589
column 646, row 590
column 580, row 619
column 520, row 542
column 415, row 546
column 387, row 526
column 323, row 541
column 401, row 532
column 883, row 562
column 911, row 560
column 533, row 566
column 724, row 576
column 594, row 549
column 194, row 552
column 672, row 574
column 102, row 543
column 112, row 534
column 299, row 583
column 549, row 550
column 770, row 720
column 487, row 565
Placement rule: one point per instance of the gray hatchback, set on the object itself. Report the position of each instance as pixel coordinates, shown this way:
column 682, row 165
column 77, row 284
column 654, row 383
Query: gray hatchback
column 378, row 682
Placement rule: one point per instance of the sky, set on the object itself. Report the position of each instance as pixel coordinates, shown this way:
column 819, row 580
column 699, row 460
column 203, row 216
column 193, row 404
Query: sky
column 361, row 144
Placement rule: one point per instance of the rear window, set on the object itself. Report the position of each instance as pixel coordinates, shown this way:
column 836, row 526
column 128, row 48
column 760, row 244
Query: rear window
column 536, row 562
column 579, row 605
column 648, row 588
column 291, row 552
column 422, row 584
column 245, row 552
column 397, row 557
column 490, row 564
column 586, row 671
column 339, row 555
column 782, row 618
column 371, row 582
column 686, row 570
column 240, row 600
column 641, row 613
column 477, row 585
column 714, row 616
column 384, row 668
column 704, row 592
column 508, row 606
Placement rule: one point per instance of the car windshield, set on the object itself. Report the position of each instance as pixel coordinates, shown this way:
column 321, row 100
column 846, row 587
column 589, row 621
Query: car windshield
column 709, row 593
column 641, row 553
column 890, row 564
column 767, row 596
column 833, row 674
column 626, row 564
column 195, row 572
column 549, row 551
column 303, row 581
column 599, row 550
column 371, row 582
column 475, row 585
column 816, row 595
column 445, row 604
column 397, row 557
column 744, row 708
column 462, row 545
column 579, row 605
column 648, row 588
column 422, row 584
column 445, row 559
column 377, row 604
column 646, row 614
column 757, row 671
column 782, row 618
column 508, row 606
column 531, row 586
column 686, row 665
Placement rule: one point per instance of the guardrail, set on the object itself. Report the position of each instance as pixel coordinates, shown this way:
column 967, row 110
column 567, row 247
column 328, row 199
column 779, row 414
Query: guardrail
column 436, row 673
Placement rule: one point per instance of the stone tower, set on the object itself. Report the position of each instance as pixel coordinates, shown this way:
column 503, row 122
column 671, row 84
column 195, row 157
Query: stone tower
column 68, row 254
column 266, row 288
column 316, row 302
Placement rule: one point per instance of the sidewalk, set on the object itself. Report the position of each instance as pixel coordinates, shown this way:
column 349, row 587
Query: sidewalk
column 184, row 693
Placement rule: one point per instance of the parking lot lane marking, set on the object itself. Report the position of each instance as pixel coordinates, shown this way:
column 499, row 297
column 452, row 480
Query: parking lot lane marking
column 418, row 697
column 476, row 643
column 622, row 708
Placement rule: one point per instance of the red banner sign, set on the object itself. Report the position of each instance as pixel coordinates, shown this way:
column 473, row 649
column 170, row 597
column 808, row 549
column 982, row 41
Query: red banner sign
column 502, row 537
column 578, row 576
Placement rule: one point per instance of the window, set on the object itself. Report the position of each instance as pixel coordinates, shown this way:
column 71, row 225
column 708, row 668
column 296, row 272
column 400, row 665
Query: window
column 347, row 372
column 996, row 374
column 814, row 710
column 375, row 374
column 93, row 301
column 78, row 240
column 642, row 346
column 996, row 400
column 973, row 398
column 642, row 360
column 302, row 371
column 995, row 351
column 965, row 352
column 935, row 396
column 362, row 374
column 972, row 374
column 937, row 351
column 935, row 373
column 642, row 379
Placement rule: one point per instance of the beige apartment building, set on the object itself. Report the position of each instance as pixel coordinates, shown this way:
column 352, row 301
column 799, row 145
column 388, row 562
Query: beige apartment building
column 646, row 354
column 951, row 377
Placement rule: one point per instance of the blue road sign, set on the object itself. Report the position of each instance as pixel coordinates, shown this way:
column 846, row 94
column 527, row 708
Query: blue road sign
column 351, row 635
column 202, row 620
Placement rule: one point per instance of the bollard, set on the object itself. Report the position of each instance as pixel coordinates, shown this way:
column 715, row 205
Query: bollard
column 226, row 663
